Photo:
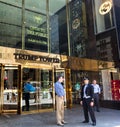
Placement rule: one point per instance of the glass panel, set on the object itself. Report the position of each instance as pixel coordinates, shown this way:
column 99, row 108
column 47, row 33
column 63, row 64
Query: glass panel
column 36, row 31
column 46, row 100
column 117, row 18
column 103, row 15
column 36, row 25
column 58, row 26
column 36, row 5
column 30, row 89
column 77, row 82
column 10, row 93
column 10, row 26
column 13, row 2
column 78, row 28
column 42, row 96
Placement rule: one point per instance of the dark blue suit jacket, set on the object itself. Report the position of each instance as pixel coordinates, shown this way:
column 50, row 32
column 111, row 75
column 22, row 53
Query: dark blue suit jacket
column 89, row 92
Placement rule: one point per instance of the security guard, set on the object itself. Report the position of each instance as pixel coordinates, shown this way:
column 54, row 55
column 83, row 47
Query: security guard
column 87, row 101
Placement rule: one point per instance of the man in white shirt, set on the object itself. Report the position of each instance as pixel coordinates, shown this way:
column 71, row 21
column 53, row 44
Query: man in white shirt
column 96, row 95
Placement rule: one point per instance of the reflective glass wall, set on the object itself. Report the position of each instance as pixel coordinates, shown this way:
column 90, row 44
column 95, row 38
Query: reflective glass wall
column 40, row 84
column 53, row 26
column 58, row 26
column 78, row 28
column 35, row 25
column 10, row 91
column 10, row 23
column 103, row 15
column 77, row 82
column 117, row 15
column 38, row 25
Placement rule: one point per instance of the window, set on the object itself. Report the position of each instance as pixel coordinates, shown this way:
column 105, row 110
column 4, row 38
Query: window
column 78, row 28
column 36, row 25
column 58, row 26
column 10, row 25
column 103, row 15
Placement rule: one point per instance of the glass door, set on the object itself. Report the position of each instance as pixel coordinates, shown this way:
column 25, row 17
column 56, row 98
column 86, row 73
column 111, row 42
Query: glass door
column 46, row 94
column 9, row 88
column 39, row 95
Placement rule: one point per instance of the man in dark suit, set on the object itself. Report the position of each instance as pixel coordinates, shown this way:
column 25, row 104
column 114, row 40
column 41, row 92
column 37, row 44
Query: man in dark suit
column 87, row 101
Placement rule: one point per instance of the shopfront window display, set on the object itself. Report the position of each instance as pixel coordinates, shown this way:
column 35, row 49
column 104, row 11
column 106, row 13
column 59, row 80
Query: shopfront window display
column 10, row 93
column 39, row 96
column 28, row 88
column 103, row 11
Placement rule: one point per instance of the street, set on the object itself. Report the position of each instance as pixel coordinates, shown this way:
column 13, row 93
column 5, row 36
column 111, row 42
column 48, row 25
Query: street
column 74, row 117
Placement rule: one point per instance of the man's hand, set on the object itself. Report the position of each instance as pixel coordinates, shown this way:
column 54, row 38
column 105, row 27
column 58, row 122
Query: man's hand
column 92, row 104
column 81, row 102
column 62, row 97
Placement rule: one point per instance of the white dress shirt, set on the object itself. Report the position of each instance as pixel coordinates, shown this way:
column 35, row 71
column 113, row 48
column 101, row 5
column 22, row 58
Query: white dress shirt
column 96, row 88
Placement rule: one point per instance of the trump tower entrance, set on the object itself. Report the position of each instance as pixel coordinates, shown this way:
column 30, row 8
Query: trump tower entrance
column 23, row 67
column 13, row 80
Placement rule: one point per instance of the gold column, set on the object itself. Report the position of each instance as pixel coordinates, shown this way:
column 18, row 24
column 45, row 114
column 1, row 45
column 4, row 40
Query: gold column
column 19, row 111
column 68, row 70
column 68, row 88
column 53, row 73
column 1, row 87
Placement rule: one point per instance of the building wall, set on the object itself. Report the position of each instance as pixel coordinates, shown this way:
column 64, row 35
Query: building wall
column 117, row 17
column 41, row 26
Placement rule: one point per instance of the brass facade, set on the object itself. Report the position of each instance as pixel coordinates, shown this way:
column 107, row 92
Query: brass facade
column 65, row 63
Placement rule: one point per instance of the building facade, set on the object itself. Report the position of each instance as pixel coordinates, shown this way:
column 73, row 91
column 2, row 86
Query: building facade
column 105, row 37
column 40, row 39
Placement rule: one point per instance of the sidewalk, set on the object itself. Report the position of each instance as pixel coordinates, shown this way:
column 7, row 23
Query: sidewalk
column 74, row 117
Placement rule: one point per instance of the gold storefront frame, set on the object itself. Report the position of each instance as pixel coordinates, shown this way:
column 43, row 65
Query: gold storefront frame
column 20, row 82
column 3, row 109
column 37, row 109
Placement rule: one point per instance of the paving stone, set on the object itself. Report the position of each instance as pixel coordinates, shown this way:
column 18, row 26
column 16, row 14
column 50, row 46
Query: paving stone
column 74, row 117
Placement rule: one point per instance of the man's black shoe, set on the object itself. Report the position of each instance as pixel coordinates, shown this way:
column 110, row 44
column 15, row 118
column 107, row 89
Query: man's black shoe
column 94, row 124
column 85, row 121
column 98, row 110
column 64, row 122
column 60, row 124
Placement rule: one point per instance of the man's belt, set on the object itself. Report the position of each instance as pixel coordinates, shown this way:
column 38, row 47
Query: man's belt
column 96, row 93
column 87, row 97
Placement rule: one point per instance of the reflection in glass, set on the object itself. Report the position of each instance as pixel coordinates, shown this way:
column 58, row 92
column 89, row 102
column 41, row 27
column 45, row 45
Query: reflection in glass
column 10, row 93
column 41, row 80
column 13, row 2
column 36, row 26
column 10, row 28
column 36, row 31
column 58, row 26
column 78, row 28
column 36, row 5
column 103, row 21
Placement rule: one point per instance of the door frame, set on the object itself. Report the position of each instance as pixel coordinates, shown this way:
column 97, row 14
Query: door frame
column 21, row 90
column 19, row 87
column 1, row 86
column 2, row 75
